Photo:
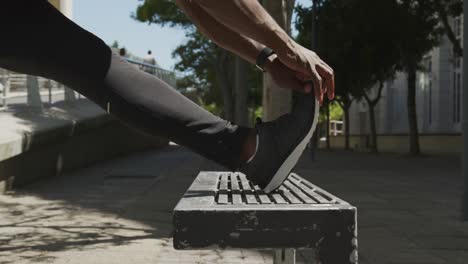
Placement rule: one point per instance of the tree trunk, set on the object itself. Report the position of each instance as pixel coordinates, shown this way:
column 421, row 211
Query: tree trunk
column 313, row 34
column 346, row 126
column 241, row 92
column 327, row 109
column 412, row 115
column 277, row 100
column 221, row 68
column 345, row 104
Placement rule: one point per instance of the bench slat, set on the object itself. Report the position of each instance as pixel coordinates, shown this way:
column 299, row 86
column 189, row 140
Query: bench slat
column 236, row 192
column 249, row 194
column 299, row 193
column 289, row 196
column 278, row 198
column 261, row 194
column 309, row 191
column 223, row 190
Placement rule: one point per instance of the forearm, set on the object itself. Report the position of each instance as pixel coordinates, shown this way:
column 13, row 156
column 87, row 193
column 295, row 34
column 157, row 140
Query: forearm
column 249, row 18
column 219, row 33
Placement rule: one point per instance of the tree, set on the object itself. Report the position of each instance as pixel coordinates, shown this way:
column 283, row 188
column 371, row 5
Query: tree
column 421, row 32
column 372, row 102
column 197, row 59
column 368, row 56
column 379, row 50
column 115, row 44
column 345, row 102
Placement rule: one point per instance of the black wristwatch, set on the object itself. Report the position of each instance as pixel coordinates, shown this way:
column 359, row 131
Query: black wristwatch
column 263, row 57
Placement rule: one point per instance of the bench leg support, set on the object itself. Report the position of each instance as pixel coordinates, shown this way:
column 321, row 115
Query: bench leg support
column 285, row 256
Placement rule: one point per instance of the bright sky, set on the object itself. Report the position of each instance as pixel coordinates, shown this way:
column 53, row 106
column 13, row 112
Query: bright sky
column 110, row 20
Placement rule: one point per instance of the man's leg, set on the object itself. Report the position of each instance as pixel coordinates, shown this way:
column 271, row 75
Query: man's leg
column 39, row 40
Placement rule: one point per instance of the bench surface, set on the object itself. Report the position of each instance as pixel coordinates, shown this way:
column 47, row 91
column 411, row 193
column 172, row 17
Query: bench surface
column 223, row 209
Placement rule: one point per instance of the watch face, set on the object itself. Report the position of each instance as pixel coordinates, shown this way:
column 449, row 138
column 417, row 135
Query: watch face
column 272, row 57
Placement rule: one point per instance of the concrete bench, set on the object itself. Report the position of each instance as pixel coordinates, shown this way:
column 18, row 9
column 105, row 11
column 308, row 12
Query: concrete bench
column 223, row 209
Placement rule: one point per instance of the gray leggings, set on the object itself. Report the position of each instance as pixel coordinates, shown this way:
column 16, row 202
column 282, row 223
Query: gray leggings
column 39, row 40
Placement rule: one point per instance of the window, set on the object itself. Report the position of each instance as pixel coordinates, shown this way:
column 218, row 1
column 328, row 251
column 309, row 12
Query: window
column 456, row 107
column 454, row 96
column 430, row 102
column 457, row 80
column 427, row 87
column 458, row 110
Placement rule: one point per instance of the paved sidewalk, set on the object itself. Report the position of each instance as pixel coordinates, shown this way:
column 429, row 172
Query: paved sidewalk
column 408, row 207
column 120, row 211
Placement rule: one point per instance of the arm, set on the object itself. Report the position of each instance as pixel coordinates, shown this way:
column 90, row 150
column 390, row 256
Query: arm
column 249, row 18
column 219, row 33
column 241, row 45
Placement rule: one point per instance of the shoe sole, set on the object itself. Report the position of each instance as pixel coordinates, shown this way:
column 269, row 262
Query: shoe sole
column 283, row 172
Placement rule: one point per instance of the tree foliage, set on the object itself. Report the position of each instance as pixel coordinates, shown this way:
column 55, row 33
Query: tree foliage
column 162, row 12
column 445, row 9
column 420, row 31
column 196, row 55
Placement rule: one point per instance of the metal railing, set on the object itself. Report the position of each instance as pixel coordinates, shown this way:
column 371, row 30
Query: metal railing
column 17, row 88
column 336, row 127
column 168, row 76
column 14, row 89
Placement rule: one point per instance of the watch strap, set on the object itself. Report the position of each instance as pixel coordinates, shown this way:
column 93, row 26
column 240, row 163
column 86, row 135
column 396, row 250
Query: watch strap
column 262, row 58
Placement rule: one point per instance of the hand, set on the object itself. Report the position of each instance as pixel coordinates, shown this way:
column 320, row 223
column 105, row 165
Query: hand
column 286, row 78
column 310, row 67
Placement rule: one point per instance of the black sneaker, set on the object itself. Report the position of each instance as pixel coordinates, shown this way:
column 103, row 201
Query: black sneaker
column 281, row 143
